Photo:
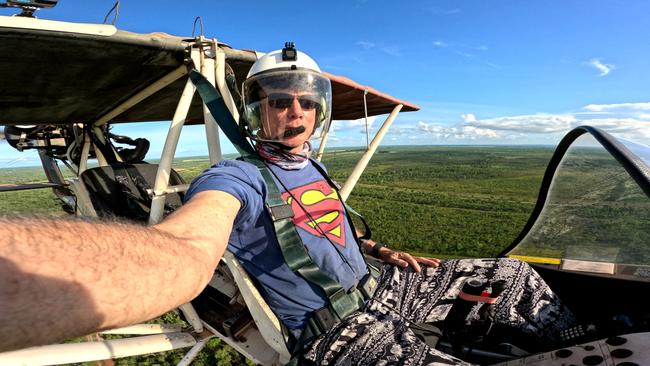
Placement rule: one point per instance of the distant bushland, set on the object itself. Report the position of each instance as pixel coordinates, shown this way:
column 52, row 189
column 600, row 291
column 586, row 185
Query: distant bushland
column 437, row 200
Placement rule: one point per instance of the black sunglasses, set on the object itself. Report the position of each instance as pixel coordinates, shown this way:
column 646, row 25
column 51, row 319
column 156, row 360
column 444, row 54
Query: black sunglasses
column 284, row 101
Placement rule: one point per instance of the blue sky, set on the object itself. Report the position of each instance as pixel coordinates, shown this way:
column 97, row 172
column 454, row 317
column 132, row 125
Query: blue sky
column 483, row 72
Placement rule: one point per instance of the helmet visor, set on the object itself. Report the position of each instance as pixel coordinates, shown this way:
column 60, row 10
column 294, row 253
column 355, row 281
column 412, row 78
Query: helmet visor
column 287, row 106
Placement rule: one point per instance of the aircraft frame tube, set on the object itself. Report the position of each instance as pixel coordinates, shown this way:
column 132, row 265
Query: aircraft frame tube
column 85, row 150
column 94, row 351
column 172, row 189
column 266, row 321
column 164, row 168
column 365, row 159
column 321, row 147
column 169, row 149
column 220, row 72
column 101, row 159
column 192, row 317
column 193, row 352
column 211, row 128
column 142, row 329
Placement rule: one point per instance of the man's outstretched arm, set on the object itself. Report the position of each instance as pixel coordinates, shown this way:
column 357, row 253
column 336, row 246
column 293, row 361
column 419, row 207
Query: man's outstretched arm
column 65, row 278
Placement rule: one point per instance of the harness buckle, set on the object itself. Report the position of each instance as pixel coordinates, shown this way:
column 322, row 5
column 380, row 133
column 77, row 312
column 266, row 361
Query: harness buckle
column 325, row 319
column 280, row 212
column 342, row 303
column 367, row 286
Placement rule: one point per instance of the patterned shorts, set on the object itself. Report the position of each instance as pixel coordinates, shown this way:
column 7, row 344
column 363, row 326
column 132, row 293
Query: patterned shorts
column 380, row 335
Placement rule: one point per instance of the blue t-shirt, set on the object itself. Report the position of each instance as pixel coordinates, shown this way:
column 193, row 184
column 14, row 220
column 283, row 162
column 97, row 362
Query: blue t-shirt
column 254, row 243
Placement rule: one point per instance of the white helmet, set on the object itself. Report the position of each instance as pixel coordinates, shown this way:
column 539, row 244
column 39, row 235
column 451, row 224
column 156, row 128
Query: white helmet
column 273, row 84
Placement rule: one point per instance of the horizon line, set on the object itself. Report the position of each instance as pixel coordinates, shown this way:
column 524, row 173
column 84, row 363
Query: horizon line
column 35, row 163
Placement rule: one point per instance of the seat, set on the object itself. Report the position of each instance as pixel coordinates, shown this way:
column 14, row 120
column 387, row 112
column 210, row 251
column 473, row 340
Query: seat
column 120, row 190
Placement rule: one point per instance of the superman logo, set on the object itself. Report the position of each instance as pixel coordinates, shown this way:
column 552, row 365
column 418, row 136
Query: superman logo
column 323, row 204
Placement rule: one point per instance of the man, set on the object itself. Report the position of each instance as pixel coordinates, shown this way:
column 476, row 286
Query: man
column 287, row 101
column 103, row 275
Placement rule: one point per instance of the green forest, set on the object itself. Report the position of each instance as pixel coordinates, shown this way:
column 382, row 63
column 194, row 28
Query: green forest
column 448, row 201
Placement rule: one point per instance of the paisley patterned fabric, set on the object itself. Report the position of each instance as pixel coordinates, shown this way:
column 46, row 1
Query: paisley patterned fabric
column 380, row 335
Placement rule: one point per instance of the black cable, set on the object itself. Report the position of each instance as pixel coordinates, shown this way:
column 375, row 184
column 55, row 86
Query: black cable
column 200, row 20
column 115, row 7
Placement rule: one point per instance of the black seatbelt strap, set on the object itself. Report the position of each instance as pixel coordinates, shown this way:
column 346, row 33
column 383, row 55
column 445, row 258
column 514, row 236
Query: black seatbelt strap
column 104, row 148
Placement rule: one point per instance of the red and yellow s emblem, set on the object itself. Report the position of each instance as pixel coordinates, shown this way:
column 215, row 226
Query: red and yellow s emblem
column 323, row 204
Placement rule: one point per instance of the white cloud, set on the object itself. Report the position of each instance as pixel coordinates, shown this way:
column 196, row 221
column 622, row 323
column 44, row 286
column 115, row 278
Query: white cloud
column 350, row 124
column 392, row 50
column 331, row 139
column 9, row 157
column 465, row 54
column 618, row 107
column 603, row 68
column 624, row 127
column 468, row 118
column 466, row 51
column 366, row 45
column 460, row 133
column 536, row 123
column 14, row 159
column 630, row 128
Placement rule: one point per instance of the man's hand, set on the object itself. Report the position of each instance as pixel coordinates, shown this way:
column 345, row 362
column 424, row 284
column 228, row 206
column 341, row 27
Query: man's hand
column 396, row 257
column 404, row 259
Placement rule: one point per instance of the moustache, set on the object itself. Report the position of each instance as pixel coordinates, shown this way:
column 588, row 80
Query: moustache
column 293, row 131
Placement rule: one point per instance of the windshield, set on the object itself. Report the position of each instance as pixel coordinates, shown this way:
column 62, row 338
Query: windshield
column 595, row 214
column 642, row 152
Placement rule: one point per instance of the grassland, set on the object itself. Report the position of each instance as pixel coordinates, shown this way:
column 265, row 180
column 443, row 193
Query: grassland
column 40, row 201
